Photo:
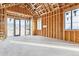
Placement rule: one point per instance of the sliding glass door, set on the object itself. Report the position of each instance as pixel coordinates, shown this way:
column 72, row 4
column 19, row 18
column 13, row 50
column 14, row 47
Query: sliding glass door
column 16, row 27
column 25, row 27
column 10, row 27
column 28, row 27
column 22, row 27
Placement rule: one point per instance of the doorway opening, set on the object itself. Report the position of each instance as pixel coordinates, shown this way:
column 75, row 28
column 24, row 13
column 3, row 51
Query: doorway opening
column 18, row 27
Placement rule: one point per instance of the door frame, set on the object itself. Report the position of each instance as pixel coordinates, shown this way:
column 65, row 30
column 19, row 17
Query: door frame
column 29, row 27
column 15, row 27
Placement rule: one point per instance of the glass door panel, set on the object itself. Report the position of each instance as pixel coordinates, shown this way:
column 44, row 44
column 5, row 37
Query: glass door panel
column 28, row 27
column 17, row 28
column 22, row 27
column 10, row 27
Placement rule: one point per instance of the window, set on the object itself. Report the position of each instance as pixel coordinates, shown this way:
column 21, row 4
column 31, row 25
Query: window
column 72, row 19
column 75, row 19
column 68, row 20
column 39, row 24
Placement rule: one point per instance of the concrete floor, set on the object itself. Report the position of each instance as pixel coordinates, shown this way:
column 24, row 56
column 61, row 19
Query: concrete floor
column 37, row 46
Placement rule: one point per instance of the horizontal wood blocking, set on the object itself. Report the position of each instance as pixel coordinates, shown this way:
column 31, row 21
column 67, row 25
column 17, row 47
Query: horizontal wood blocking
column 54, row 22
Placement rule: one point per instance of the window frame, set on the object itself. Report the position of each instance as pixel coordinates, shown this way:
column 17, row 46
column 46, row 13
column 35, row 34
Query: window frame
column 74, row 19
column 65, row 20
column 39, row 24
column 71, row 19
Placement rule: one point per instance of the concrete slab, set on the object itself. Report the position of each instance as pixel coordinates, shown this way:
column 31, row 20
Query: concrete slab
column 26, row 47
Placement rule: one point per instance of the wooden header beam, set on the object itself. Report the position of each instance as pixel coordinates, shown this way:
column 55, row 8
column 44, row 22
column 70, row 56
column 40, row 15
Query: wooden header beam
column 18, row 14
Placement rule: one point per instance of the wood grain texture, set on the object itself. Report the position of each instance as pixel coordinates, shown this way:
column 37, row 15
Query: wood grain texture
column 55, row 24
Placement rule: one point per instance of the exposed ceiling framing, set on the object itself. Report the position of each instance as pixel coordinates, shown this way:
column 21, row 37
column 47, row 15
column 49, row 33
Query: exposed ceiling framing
column 35, row 9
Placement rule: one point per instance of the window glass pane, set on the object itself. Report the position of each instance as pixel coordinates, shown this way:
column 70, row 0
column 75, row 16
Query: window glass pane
column 68, row 20
column 75, row 19
column 17, row 27
column 75, row 12
column 67, row 26
column 39, row 24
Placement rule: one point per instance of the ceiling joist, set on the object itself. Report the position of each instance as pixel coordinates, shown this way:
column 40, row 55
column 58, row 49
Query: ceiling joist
column 36, row 9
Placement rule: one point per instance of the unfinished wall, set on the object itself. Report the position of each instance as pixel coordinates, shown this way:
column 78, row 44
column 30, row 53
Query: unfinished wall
column 2, row 23
column 71, row 35
column 53, row 21
column 34, row 26
column 53, row 25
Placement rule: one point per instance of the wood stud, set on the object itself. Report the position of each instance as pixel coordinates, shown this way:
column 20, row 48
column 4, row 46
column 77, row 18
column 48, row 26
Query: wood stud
column 56, row 30
column 54, row 20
